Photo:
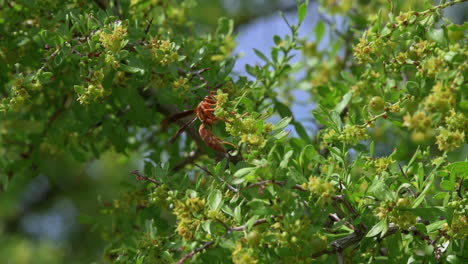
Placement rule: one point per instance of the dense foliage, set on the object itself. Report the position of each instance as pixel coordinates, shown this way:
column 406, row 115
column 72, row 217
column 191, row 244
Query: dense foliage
column 381, row 181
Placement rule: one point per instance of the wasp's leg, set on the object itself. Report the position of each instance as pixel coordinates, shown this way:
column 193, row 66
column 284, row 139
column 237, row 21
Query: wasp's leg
column 182, row 129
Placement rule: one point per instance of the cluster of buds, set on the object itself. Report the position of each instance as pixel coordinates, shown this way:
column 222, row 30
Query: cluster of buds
column 243, row 255
column 187, row 214
column 448, row 140
column 380, row 164
column 321, row 189
column 94, row 90
column 181, row 83
column 459, row 227
column 395, row 213
column 351, row 134
column 164, row 51
column 113, row 37
column 252, row 131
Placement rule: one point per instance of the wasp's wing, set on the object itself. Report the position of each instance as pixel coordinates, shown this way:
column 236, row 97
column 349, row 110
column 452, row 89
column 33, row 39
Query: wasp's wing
column 184, row 126
column 175, row 117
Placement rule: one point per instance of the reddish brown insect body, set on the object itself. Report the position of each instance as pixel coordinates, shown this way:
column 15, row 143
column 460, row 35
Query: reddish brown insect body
column 205, row 112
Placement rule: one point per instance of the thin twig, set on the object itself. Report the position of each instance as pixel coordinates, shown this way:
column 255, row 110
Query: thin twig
column 232, row 188
column 258, row 222
column 262, row 184
column 195, row 251
column 147, row 29
column 141, row 177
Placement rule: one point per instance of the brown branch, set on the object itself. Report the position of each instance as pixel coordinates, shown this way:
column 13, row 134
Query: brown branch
column 141, row 177
column 195, row 251
column 347, row 204
column 262, row 184
column 336, row 218
column 232, row 188
column 339, row 245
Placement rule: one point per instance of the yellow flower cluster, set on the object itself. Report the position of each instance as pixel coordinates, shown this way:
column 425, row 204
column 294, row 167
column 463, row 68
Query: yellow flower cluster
column 181, row 83
column 164, row 51
column 351, row 134
column 459, row 228
column 94, row 90
column 113, row 37
column 186, row 212
column 392, row 211
column 241, row 255
column 448, row 140
column 250, row 130
column 380, row 164
column 322, row 189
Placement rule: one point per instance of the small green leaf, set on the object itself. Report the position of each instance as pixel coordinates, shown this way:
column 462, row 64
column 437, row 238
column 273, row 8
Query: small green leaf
column 320, row 30
column 460, row 168
column 348, row 76
column 277, row 39
column 447, row 185
column 131, row 69
column 244, row 171
column 438, row 35
column 302, row 12
column 344, row 102
column 285, row 161
column 301, row 131
column 215, row 200
column 378, row 228
column 282, row 123
column 237, row 214
column 225, row 26
column 261, row 55
column 282, row 109
column 413, row 88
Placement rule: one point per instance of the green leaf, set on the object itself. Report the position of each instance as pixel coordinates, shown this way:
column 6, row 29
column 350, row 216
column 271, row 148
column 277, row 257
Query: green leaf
column 244, row 171
column 282, row 109
column 344, row 102
column 302, row 12
column 447, row 185
column 438, row 35
column 237, row 214
column 348, row 77
column 460, row 168
column 422, row 195
column 277, row 39
column 428, row 213
column 285, row 161
column 378, row 228
column 282, row 123
column 215, row 200
column 301, row 131
column 281, row 136
column 131, row 69
column 320, row 30
column 413, row 88
column 261, row 55
column 79, row 89
column 225, row 26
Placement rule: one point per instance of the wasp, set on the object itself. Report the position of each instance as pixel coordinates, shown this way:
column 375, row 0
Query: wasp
column 205, row 113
